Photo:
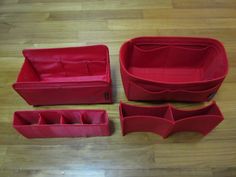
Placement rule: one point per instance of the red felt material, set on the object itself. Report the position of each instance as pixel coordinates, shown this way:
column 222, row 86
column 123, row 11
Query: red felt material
column 61, row 123
column 74, row 75
column 172, row 68
column 166, row 120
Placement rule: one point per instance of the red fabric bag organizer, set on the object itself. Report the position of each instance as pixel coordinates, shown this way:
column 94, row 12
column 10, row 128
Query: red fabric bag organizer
column 73, row 75
column 61, row 123
column 172, row 68
column 166, row 120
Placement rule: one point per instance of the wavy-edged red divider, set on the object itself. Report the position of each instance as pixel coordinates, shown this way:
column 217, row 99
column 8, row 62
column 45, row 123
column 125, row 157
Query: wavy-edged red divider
column 73, row 75
column 61, row 123
column 165, row 120
column 172, row 68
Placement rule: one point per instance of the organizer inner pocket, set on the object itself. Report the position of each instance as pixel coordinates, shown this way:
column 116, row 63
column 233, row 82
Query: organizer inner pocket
column 94, row 117
column 171, row 63
column 68, row 70
column 206, row 111
column 50, row 117
column 26, row 118
column 84, row 68
column 47, row 69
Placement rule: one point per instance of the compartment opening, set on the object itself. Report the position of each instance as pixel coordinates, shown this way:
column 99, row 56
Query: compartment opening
column 94, row 117
column 68, row 64
column 163, row 62
column 209, row 110
column 26, row 118
column 71, row 118
column 50, row 117
column 161, row 112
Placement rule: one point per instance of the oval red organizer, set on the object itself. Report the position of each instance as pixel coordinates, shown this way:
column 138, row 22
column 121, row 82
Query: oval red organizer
column 166, row 120
column 61, row 123
column 73, row 75
column 172, row 68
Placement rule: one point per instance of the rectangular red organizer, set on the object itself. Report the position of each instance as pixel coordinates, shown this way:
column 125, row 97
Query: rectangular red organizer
column 172, row 68
column 61, row 123
column 73, row 75
column 166, row 120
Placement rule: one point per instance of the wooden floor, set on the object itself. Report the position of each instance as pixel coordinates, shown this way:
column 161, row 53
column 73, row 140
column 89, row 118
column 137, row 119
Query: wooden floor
column 56, row 23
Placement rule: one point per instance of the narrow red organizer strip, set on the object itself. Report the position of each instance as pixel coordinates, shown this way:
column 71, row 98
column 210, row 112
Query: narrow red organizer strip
column 73, row 75
column 61, row 123
column 172, row 68
column 166, row 120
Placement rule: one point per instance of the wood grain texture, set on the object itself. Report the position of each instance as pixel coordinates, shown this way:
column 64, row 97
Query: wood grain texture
column 58, row 23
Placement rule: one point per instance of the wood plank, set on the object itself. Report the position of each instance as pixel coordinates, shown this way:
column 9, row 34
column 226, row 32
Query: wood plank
column 203, row 4
column 57, row 26
column 189, row 13
column 124, row 4
column 49, row 173
column 85, row 5
column 24, row 17
column 9, row 1
column 95, row 14
column 144, row 24
column 39, row 7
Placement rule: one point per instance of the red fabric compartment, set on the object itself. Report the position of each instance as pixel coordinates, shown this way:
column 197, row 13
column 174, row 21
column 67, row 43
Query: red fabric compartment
column 165, row 120
column 74, row 75
column 172, row 68
column 61, row 123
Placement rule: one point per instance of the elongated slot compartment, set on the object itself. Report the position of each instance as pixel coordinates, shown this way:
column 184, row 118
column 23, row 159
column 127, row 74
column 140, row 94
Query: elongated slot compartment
column 94, row 117
column 161, row 112
column 50, row 117
column 182, row 114
column 26, row 118
column 71, row 118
